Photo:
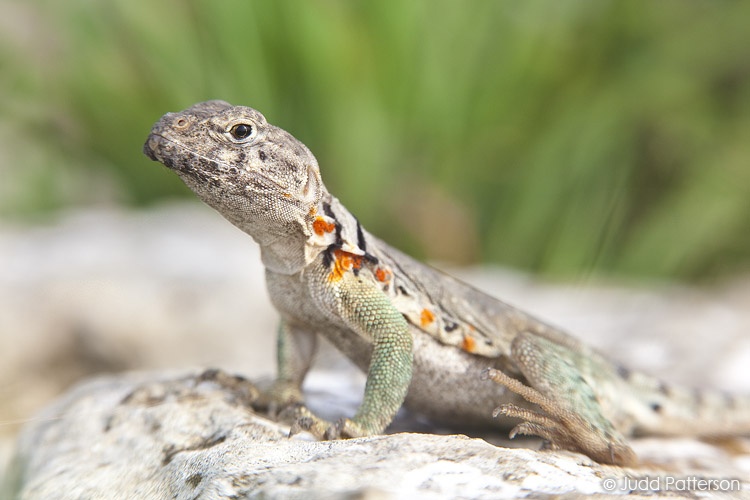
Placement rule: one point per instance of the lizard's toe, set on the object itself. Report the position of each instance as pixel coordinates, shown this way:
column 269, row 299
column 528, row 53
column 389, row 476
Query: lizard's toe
column 562, row 427
column 303, row 420
column 347, row 428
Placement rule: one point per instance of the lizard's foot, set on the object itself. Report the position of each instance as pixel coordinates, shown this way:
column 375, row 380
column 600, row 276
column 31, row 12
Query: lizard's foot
column 303, row 420
column 306, row 421
column 346, row 428
column 280, row 396
column 284, row 401
column 562, row 428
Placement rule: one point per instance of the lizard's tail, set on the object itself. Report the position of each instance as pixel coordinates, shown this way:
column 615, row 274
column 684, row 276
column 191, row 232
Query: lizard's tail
column 670, row 410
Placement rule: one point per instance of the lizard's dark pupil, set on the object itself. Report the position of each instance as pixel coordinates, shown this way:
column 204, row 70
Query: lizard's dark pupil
column 241, row 131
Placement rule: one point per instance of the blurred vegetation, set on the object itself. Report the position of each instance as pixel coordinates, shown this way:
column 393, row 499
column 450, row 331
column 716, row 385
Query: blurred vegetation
column 562, row 137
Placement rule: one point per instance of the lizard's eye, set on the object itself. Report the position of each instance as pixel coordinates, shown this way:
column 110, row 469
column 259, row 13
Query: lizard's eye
column 241, row 131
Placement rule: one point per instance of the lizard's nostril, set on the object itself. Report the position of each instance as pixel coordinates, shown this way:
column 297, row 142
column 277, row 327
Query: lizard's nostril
column 181, row 122
column 151, row 147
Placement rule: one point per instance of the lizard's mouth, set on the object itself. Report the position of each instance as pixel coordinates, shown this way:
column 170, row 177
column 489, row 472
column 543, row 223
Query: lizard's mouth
column 163, row 149
column 152, row 147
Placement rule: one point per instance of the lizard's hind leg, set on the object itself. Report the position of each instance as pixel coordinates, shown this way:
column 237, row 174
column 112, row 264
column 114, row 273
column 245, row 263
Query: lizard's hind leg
column 571, row 416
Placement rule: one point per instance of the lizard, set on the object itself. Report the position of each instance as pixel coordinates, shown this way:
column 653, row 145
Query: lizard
column 425, row 339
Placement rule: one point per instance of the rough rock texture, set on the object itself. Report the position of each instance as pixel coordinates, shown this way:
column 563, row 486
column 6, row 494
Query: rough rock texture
column 179, row 287
column 193, row 436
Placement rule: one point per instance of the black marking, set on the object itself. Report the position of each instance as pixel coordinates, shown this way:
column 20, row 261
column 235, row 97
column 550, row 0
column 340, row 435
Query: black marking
column 656, row 407
column 242, row 157
column 361, row 243
column 403, row 291
column 488, row 342
column 449, row 325
column 624, row 372
column 329, row 212
column 444, row 310
column 371, row 258
column 328, row 254
column 327, row 258
column 339, row 239
column 419, row 286
column 262, row 155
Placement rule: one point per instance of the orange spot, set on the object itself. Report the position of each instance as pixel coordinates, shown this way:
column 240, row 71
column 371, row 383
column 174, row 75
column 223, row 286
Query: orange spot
column 343, row 262
column 320, row 226
column 313, row 210
column 426, row 317
column 382, row 275
column 287, row 195
column 469, row 344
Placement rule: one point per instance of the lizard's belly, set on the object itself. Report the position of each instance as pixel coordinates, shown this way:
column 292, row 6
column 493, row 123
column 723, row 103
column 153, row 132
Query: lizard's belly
column 447, row 385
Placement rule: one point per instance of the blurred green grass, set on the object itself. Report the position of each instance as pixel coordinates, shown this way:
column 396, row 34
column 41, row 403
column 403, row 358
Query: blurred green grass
column 568, row 138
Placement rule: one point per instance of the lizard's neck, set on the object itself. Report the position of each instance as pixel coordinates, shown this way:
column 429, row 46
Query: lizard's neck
column 328, row 225
column 335, row 225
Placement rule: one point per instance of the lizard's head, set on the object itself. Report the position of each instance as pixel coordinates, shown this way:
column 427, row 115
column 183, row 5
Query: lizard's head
column 256, row 175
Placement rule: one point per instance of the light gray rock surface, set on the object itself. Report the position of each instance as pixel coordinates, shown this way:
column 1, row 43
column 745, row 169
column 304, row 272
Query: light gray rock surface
column 193, row 436
column 178, row 287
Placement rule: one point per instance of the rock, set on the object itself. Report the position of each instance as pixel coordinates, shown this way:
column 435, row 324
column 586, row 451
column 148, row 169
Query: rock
column 104, row 291
column 195, row 436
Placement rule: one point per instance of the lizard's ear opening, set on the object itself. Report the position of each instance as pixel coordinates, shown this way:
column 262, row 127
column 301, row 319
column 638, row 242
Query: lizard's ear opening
column 311, row 190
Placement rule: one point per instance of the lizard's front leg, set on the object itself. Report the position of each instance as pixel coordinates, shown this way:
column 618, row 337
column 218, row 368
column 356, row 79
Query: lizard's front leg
column 368, row 312
column 295, row 350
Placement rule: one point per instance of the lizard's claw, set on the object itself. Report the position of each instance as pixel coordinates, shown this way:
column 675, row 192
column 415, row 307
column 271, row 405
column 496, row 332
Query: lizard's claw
column 561, row 427
column 345, row 428
column 303, row 420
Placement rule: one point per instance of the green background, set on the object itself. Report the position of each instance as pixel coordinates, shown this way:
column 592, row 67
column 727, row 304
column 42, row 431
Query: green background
column 568, row 138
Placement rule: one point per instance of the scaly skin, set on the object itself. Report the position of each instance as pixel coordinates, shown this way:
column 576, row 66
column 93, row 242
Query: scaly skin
column 424, row 338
